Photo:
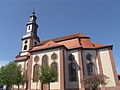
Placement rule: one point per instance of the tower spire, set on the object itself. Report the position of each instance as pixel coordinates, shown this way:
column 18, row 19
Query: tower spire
column 32, row 27
column 33, row 12
column 33, row 17
column 30, row 39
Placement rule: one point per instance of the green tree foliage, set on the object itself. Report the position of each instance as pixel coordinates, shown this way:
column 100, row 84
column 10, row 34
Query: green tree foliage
column 48, row 74
column 92, row 82
column 11, row 74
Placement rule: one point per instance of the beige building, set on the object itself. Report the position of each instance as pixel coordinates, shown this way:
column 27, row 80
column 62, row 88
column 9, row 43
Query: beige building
column 73, row 56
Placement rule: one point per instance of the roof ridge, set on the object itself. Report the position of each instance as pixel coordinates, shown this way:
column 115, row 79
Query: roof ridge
column 66, row 37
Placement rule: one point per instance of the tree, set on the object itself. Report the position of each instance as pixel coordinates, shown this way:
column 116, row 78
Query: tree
column 11, row 74
column 24, row 80
column 47, row 75
column 92, row 82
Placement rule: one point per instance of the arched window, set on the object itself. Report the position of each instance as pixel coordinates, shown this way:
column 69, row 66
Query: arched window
column 89, row 64
column 89, row 57
column 26, row 42
column 36, row 72
column 29, row 28
column 72, row 72
column 25, row 47
column 71, row 57
column 45, row 60
column 90, row 68
column 55, row 65
column 35, row 43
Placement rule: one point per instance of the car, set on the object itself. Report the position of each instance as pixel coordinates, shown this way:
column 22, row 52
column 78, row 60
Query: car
column 5, row 87
column 1, row 87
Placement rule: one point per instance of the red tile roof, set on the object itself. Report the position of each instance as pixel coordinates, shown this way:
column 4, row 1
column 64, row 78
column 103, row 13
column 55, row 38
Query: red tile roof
column 48, row 44
column 70, row 42
column 77, row 35
column 97, row 45
column 86, row 43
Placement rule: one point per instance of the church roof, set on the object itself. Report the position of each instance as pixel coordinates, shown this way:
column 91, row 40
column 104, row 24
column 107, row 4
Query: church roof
column 97, row 45
column 67, row 37
column 72, row 41
column 21, row 58
column 49, row 44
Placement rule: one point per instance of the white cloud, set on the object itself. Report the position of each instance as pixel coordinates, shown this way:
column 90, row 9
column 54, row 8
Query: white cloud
column 2, row 63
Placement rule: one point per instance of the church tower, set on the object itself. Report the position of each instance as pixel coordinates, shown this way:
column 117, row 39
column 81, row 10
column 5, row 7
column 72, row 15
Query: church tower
column 30, row 39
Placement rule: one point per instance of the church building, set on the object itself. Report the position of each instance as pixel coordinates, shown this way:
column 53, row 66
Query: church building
column 74, row 56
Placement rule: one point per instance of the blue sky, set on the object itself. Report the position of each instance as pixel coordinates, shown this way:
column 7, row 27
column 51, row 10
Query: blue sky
column 98, row 19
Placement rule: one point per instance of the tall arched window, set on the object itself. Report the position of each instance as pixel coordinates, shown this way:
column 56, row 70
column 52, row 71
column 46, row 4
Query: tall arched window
column 55, row 65
column 28, row 27
column 90, row 68
column 71, row 57
column 45, row 60
column 89, row 64
column 36, row 72
column 26, row 42
column 89, row 57
column 72, row 72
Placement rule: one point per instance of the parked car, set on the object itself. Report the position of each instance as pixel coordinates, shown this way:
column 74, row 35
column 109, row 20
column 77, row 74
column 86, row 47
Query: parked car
column 1, row 87
column 5, row 87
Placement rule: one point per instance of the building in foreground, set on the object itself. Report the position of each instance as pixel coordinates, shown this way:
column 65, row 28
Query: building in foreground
column 73, row 56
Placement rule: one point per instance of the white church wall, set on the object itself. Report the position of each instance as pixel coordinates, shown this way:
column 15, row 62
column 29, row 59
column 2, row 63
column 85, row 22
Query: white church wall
column 22, row 63
column 70, row 84
column 54, row 85
column 97, row 64
column 107, row 67
column 94, row 60
column 23, row 53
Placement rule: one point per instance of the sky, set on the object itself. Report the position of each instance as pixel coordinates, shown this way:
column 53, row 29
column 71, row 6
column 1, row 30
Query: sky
column 98, row 19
